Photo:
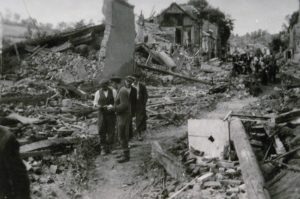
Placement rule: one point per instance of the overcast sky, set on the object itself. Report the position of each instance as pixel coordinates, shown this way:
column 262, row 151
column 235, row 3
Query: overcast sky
column 249, row 15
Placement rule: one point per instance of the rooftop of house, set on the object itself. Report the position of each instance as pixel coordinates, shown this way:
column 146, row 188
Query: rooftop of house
column 189, row 10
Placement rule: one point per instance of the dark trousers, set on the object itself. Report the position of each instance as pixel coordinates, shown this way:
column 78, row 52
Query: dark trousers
column 123, row 123
column 106, row 128
column 130, row 129
column 14, row 181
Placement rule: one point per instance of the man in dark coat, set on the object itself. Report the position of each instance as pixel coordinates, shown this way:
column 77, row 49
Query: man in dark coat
column 140, row 108
column 105, row 99
column 132, row 98
column 14, row 181
column 123, row 112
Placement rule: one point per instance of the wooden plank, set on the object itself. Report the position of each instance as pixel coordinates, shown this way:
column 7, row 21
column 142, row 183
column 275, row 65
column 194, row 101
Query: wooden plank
column 36, row 153
column 168, row 161
column 251, row 172
column 174, row 74
column 285, row 154
column 251, row 116
column 199, row 132
column 37, row 51
column 286, row 117
column 160, row 104
column 199, row 180
column 22, row 119
column 17, row 52
column 46, row 144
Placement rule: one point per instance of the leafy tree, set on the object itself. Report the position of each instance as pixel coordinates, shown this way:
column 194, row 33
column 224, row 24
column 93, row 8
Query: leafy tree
column 279, row 42
column 214, row 15
column 293, row 19
column 17, row 17
column 62, row 25
column 199, row 4
column 91, row 22
column 80, row 24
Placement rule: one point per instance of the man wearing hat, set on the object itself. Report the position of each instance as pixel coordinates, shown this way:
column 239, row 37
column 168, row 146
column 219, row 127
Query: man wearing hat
column 140, row 106
column 122, row 109
column 132, row 98
column 104, row 100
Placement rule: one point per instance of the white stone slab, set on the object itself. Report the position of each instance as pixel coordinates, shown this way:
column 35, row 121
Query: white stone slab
column 199, row 132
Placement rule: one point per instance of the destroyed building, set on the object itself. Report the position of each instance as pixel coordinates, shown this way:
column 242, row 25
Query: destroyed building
column 207, row 137
column 1, row 44
column 182, row 23
column 14, row 33
column 294, row 45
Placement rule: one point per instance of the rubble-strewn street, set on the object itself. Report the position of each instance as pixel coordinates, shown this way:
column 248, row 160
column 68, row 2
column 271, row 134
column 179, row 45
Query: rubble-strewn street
column 162, row 105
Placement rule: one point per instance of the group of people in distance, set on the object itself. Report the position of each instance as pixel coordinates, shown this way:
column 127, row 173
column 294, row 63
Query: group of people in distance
column 119, row 101
column 264, row 67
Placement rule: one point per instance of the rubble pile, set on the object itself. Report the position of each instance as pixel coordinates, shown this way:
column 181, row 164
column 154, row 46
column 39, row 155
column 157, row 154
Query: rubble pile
column 175, row 105
column 25, row 87
column 207, row 177
column 56, row 140
column 69, row 67
column 276, row 140
column 66, row 171
column 290, row 71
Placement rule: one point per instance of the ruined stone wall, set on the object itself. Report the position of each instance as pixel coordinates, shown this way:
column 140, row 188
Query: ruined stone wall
column 1, row 45
column 117, row 47
column 1, row 35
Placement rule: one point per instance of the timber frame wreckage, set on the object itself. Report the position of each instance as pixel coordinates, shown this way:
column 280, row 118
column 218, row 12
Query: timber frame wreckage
column 116, row 48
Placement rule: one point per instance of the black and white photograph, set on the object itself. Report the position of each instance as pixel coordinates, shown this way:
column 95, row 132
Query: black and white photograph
column 149, row 99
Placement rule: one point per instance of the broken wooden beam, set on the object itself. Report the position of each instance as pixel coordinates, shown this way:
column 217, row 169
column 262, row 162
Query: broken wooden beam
column 26, row 100
column 72, row 89
column 173, row 74
column 36, row 153
column 286, row 117
column 252, row 175
column 37, row 51
column 17, row 52
column 293, row 86
column 251, row 116
column 200, row 180
column 46, row 144
column 285, row 154
column 173, row 167
column 22, row 119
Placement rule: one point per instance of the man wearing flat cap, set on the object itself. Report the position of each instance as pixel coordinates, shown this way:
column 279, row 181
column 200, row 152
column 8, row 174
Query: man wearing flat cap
column 140, row 106
column 122, row 109
column 104, row 101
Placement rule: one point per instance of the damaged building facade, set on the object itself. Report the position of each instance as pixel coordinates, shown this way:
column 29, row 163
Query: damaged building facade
column 184, row 27
column 1, row 45
column 294, row 45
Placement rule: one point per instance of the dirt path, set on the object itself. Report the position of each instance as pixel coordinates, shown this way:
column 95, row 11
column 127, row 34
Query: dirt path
column 129, row 180
column 111, row 180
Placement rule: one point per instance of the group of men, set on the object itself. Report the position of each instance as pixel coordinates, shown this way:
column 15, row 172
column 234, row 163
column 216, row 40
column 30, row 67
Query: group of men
column 264, row 67
column 119, row 101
